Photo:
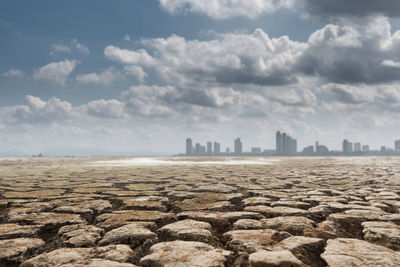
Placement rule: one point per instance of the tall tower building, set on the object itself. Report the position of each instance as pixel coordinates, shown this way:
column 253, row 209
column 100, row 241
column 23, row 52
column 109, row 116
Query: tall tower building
column 189, row 147
column 217, row 148
column 238, row 146
column 209, row 148
column 278, row 143
column 284, row 144
column 397, row 145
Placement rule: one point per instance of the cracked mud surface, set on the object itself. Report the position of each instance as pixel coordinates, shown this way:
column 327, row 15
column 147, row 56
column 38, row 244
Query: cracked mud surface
column 296, row 212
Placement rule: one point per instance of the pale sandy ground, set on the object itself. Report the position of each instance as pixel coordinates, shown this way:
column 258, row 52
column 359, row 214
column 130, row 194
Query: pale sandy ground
column 200, row 212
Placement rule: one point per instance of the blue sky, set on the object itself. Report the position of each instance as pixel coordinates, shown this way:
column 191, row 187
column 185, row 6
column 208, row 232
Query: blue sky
column 132, row 76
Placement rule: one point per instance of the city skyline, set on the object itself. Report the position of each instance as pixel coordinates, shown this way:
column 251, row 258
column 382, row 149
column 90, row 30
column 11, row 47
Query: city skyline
column 137, row 77
column 285, row 145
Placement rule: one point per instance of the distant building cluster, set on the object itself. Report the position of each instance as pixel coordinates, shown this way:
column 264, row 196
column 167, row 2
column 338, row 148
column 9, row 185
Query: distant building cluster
column 199, row 150
column 286, row 146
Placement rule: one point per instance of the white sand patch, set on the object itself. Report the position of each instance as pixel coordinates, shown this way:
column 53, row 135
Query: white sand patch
column 183, row 161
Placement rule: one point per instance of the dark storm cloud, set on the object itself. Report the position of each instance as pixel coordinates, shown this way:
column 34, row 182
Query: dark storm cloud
column 353, row 8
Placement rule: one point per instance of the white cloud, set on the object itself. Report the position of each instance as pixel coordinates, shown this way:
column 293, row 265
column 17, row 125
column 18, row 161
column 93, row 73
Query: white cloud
column 136, row 72
column 231, row 59
column 105, row 108
column 13, row 73
column 224, row 9
column 37, row 111
column 140, row 57
column 106, row 77
column 57, row 49
column 391, row 63
column 56, row 72
column 150, row 100
column 75, row 45
column 80, row 47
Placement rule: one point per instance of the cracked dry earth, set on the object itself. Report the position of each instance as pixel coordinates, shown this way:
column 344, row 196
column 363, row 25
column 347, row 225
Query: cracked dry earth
column 296, row 212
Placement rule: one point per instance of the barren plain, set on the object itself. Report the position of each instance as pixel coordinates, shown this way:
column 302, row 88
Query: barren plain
column 294, row 212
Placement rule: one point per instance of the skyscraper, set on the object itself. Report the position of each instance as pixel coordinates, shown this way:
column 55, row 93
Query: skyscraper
column 209, row 148
column 189, row 147
column 278, row 143
column 238, row 146
column 217, row 148
column 347, row 147
column 397, row 145
column 284, row 144
column 357, row 147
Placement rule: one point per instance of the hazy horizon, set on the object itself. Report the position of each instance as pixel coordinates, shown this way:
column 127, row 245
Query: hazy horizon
column 134, row 77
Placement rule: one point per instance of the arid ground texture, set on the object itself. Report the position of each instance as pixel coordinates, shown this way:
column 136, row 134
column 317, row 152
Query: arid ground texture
column 294, row 212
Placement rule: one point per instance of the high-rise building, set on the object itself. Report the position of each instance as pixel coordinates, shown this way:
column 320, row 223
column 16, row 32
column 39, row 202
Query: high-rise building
column 197, row 149
column 217, row 148
column 291, row 146
column 284, row 144
column 365, row 148
column 189, row 147
column 397, row 145
column 278, row 143
column 209, row 148
column 357, row 147
column 347, row 147
column 238, row 146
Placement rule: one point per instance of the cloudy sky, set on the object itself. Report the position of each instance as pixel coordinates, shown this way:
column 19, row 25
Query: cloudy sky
column 139, row 76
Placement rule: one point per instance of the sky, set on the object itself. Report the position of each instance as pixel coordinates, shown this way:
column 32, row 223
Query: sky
column 136, row 77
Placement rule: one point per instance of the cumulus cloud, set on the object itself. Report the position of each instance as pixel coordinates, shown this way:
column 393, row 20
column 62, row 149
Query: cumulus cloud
column 353, row 53
column 224, row 9
column 37, row 111
column 366, row 97
column 56, row 72
column 150, row 101
column 13, row 73
column 80, row 47
column 354, row 8
column 344, row 53
column 231, row 59
column 105, row 108
column 75, row 45
column 136, row 72
column 106, row 77
column 125, row 56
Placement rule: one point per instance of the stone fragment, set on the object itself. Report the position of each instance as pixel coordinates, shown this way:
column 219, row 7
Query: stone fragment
column 85, row 213
column 382, row 233
column 306, row 249
column 186, row 253
column 219, row 220
column 12, row 230
column 47, row 218
column 83, row 256
column 19, row 249
column 295, row 225
column 248, row 224
column 78, row 235
column 291, row 204
column 133, row 234
column 277, row 211
column 253, row 240
column 282, row 258
column 255, row 201
column 188, row 230
column 116, row 219
column 353, row 252
column 144, row 203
